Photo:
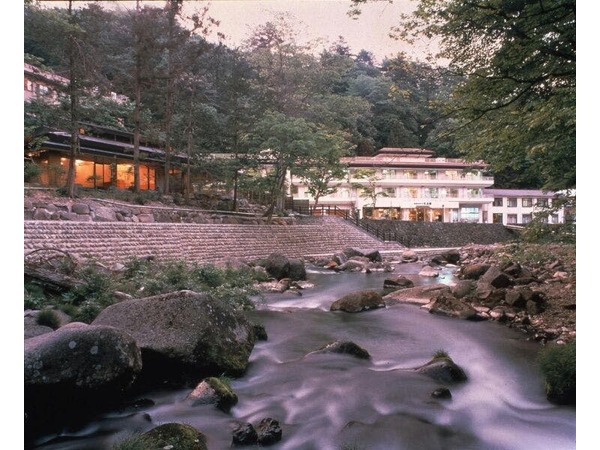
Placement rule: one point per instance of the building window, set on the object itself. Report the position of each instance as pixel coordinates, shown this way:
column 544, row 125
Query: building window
column 527, row 203
column 473, row 193
column 452, row 174
column 497, row 218
column 542, row 202
column 554, row 218
column 526, row 219
column 388, row 174
column 390, row 192
column 469, row 214
column 431, row 174
column 410, row 174
column 498, row 201
column 410, row 192
column 511, row 202
column 452, row 193
column 511, row 218
column 431, row 193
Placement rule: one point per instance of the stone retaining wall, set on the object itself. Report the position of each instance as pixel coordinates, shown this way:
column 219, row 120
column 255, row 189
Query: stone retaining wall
column 440, row 234
column 97, row 210
column 112, row 242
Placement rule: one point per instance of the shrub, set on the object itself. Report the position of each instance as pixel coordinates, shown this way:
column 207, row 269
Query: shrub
column 440, row 353
column 48, row 318
column 558, row 364
column 32, row 171
column 34, row 297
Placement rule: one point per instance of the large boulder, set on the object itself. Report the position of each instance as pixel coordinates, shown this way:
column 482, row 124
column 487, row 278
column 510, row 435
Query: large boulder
column 184, row 335
column 345, row 347
column 443, row 368
column 473, row 271
column 297, row 270
column 358, row 301
column 399, row 282
column 496, row 278
column 174, row 436
column 420, row 295
column 355, row 264
column 76, row 368
column 278, row 266
column 447, row 305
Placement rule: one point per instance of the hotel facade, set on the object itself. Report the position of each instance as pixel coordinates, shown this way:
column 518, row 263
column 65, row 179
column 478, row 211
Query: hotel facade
column 413, row 184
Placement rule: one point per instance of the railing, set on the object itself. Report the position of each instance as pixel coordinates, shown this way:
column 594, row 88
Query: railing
column 352, row 217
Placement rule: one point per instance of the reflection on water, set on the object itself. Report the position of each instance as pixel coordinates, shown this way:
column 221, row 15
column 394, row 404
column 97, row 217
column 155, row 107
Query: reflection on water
column 332, row 401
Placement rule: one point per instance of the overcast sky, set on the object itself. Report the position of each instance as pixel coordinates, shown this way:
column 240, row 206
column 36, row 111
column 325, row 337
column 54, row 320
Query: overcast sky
column 322, row 20
column 314, row 20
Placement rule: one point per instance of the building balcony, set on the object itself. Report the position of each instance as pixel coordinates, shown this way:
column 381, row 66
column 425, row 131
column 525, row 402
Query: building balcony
column 478, row 181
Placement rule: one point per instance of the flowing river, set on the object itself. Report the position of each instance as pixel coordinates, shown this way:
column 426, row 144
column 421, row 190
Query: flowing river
column 326, row 401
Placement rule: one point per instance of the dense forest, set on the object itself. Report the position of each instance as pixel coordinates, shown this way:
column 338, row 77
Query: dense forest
column 506, row 95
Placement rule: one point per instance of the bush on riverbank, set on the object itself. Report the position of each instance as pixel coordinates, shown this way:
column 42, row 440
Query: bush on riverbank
column 97, row 287
column 558, row 366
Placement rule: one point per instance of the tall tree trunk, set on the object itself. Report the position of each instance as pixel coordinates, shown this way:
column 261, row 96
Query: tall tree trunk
column 138, row 103
column 73, row 107
column 173, row 8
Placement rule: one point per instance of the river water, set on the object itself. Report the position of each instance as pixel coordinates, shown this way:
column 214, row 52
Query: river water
column 337, row 402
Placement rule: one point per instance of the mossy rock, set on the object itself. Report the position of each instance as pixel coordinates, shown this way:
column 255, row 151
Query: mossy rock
column 175, row 436
column 215, row 391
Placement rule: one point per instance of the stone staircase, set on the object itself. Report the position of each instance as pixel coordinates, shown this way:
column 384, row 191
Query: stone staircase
column 116, row 242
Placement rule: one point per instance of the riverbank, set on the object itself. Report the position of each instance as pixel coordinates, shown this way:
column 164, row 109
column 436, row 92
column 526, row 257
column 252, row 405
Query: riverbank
column 553, row 267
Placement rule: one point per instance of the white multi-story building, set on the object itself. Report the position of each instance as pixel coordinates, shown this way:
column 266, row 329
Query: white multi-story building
column 521, row 206
column 408, row 184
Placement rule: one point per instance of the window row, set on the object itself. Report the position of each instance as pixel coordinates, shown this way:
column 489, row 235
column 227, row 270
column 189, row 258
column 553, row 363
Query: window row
column 410, row 192
column 525, row 202
column 524, row 219
column 410, row 174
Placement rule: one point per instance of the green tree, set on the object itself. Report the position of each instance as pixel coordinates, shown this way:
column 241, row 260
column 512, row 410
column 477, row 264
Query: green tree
column 368, row 187
column 516, row 99
column 285, row 143
column 322, row 169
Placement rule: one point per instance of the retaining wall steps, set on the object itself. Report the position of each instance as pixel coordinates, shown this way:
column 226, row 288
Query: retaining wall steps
column 116, row 242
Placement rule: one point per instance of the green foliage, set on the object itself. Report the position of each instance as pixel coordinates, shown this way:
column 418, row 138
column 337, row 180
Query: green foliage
column 515, row 103
column 48, row 318
column 558, row 366
column 143, row 277
column 540, row 233
column 34, row 296
column 32, row 171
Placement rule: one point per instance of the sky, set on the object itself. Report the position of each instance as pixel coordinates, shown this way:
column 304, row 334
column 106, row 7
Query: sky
column 322, row 20
column 314, row 20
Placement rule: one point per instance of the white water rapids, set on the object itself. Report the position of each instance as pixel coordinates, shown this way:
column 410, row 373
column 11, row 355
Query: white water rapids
column 335, row 402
